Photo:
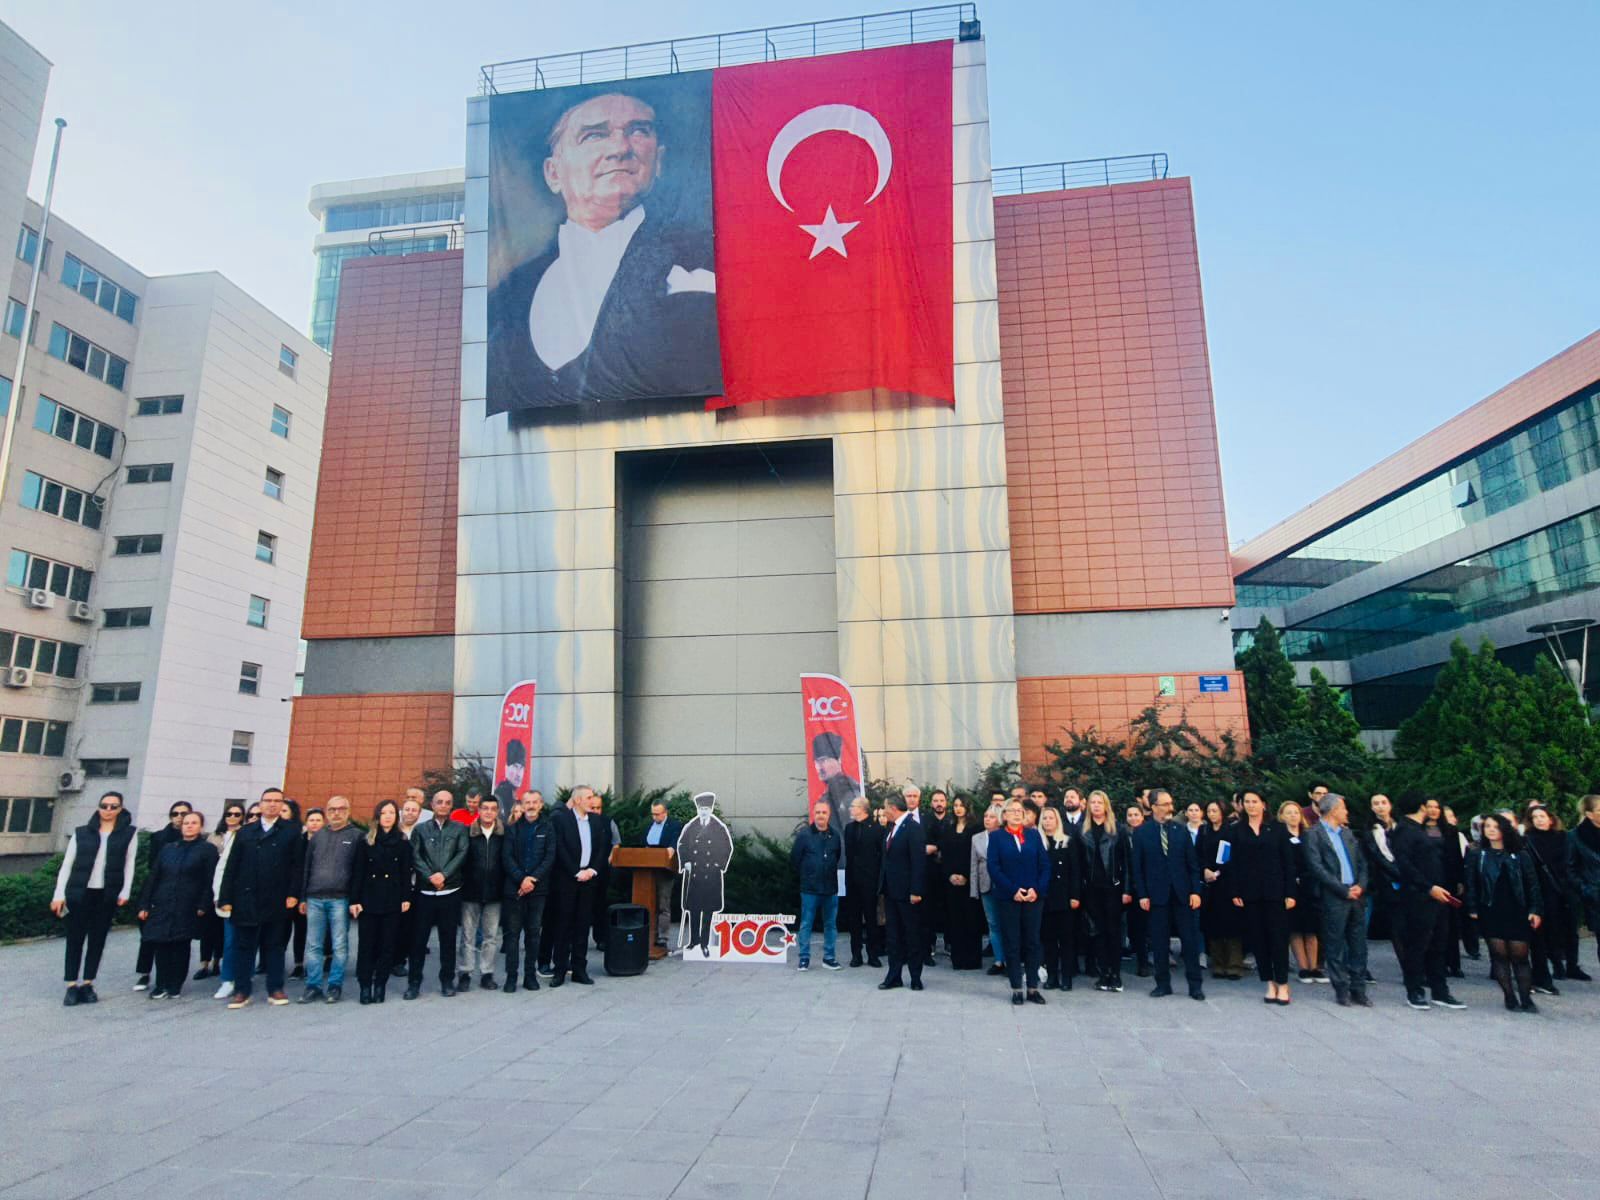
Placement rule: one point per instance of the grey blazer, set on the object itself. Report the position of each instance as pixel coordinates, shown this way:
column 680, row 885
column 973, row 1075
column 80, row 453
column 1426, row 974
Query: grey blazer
column 1324, row 863
column 978, row 877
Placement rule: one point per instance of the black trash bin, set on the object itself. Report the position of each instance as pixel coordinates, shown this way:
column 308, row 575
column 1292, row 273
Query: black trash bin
column 627, row 939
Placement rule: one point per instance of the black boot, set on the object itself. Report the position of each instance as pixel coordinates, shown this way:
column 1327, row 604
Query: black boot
column 1524, row 976
column 379, row 989
column 366, row 993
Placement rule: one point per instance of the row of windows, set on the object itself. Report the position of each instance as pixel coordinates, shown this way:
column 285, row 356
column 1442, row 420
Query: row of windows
column 27, row 814
column 59, row 500
column 1558, row 447
column 32, row 735
column 1550, row 564
column 43, row 655
column 399, row 210
column 78, row 351
column 35, row 571
column 70, row 425
column 92, row 285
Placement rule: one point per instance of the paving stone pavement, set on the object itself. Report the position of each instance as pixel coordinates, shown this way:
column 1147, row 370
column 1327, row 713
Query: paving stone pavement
column 695, row 1082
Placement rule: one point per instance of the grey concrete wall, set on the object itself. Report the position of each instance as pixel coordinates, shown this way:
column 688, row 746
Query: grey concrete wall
column 1160, row 641
column 375, row 666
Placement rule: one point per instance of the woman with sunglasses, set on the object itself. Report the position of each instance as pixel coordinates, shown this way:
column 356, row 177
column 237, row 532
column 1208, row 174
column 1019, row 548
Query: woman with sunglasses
column 233, row 820
column 95, row 880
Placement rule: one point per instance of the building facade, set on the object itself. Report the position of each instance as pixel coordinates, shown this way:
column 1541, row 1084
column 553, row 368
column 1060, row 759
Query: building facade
column 1487, row 527
column 981, row 574
column 156, row 520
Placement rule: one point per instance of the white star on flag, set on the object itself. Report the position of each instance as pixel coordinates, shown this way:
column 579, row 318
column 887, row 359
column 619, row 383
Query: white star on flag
column 830, row 234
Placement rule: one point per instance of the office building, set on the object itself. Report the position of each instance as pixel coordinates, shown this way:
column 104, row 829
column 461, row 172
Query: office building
column 1486, row 527
column 156, row 523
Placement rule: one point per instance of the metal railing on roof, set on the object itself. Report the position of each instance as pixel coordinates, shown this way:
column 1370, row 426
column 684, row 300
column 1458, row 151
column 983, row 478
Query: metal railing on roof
column 444, row 235
column 807, row 40
column 1084, row 172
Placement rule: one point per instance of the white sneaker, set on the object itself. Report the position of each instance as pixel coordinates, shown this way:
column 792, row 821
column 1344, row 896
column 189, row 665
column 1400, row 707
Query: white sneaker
column 223, row 992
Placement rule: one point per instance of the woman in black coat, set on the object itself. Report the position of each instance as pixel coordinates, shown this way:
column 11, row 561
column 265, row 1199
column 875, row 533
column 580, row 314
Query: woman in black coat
column 380, row 893
column 1219, row 920
column 1260, row 881
column 175, row 902
column 964, row 915
column 1305, row 917
column 1106, row 889
column 1555, row 942
column 1503, row 894
column 1061, row 901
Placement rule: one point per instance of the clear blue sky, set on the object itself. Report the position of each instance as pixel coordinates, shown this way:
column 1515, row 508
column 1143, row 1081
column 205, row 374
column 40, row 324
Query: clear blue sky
column 1396, row 202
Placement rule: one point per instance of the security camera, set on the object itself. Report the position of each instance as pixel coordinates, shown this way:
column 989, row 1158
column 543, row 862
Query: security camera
column 1226, row 613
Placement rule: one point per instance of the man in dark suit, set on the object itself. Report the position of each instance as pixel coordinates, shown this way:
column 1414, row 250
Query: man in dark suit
column 258, row 894
column 1166, row 879
column 583, row 843
column 1340, row 872
column 624, row 305
column 662, row 834
column 863, row 868
column 1422, row 917
column 905, row 873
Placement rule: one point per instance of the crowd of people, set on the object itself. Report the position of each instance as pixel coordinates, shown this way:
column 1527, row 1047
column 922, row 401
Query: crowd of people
column 1068, row 887
column 1048, row 888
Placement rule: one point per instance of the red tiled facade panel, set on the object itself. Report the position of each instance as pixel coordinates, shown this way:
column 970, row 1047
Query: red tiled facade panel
column 1111, row 443
column 369, row 748
column 1048, row 706
column 383, row 549
column 1520, row 400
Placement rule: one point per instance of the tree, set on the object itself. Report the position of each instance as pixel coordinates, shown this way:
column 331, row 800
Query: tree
column 1273, row 701
column 1174, row 755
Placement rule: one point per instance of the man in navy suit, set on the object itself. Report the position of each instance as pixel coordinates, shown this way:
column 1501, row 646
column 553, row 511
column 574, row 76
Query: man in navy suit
column 1166, row 879
column 905, row 873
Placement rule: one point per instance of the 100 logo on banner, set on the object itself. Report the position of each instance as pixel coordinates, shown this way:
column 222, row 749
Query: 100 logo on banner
column 750, row 938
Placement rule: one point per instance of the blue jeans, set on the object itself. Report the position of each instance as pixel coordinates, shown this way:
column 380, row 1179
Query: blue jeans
column 828, row 906
column 991, row 914
column 325, row 916
column 227, row 952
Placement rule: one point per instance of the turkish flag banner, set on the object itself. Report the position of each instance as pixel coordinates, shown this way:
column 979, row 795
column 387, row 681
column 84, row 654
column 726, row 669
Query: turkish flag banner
column 832, row 199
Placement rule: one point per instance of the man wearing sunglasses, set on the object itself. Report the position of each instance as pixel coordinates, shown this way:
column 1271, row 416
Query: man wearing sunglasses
column 161, row 838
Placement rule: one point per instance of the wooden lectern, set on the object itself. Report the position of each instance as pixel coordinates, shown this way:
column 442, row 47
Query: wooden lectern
column 647, row 863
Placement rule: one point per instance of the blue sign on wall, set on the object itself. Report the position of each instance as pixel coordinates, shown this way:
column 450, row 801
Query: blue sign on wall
column 1213, row 683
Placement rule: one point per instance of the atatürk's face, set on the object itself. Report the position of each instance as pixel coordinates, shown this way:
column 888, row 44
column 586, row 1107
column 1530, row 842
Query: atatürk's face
column 827, row 767
column 605, row 158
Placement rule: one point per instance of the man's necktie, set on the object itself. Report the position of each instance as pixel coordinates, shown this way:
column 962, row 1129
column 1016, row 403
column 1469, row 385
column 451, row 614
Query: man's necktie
column 1163, row 840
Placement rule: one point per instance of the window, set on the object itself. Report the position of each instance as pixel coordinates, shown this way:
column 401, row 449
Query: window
column 272, row 484
column 258, row 612
column 57, row 499
column 105, row 768
column 138, row 543
column 423, row 208
column 42, row 655
column 287, row 361
column 16, row 314
column 127, row 618
column 113, row 693
column 27, row 814
column 243, row 742
column 28, row 244
column 78, row 351
column 158, row 406
column 280, row 420
column 5, row 395
column 151, row 473
column 70, row 425
column 266, row 547
column 95, row 287
column 29, row 735
column 33, row 571
column 250, row 678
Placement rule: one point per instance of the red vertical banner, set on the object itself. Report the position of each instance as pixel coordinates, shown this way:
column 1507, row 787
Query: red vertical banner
column 833, row 750
column 514, row 745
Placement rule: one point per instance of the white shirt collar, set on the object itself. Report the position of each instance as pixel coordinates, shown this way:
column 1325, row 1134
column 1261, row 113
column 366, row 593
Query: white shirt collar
column 266, row 825
column 566, row 302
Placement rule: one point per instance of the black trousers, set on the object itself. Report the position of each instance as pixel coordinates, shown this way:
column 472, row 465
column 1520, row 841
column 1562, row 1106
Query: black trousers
column 552, row 922
column 601, row 905
column 267, row 939
column 1164, row 921
column 146, row 962
column 903, row 933
column 444, row 914
column 570, row 951
column 1019, row 926
column 88, row 920
column 858, row 916
column 933, row 906
column 521, row 924
column 1456, row 918
column 1423, row 926
column 699, row 922
column 299, row 919
column 1105, row 913
column 211, row 937
column 1549, row 943
column 1139, row 934
column 172, row 965
column 1266, row 927
column 377, row 944
column 1055, row 945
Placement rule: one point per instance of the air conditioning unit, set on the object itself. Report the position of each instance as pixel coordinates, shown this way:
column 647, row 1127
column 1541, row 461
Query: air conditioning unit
column 70, row 781
column 19, row 677
column 81, row 611
column 41, row 598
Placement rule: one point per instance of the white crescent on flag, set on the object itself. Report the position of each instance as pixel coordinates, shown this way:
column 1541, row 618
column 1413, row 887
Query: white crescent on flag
column 824, row 118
